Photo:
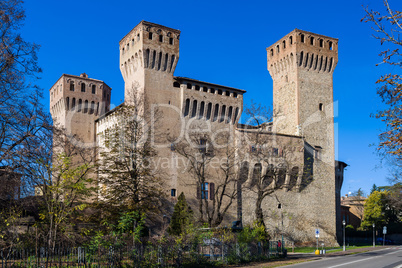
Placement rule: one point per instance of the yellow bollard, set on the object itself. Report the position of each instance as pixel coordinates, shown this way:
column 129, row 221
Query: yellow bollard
column 317, row 252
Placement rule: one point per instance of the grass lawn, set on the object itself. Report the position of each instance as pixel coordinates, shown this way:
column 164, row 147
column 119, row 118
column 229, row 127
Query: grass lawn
column 328, row 249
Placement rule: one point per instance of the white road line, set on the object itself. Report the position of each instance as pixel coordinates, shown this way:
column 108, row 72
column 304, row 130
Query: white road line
column 347, row 263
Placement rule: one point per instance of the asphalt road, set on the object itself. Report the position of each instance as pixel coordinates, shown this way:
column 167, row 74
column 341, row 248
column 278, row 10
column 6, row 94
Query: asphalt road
column 384, row 258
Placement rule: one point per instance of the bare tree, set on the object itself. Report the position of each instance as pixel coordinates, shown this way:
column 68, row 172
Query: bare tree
column 214, row 173
column 59, row 172
column 127, row 174
column 275, row 159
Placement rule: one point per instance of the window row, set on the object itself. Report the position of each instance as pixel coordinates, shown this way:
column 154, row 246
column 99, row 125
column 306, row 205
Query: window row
column 269, row 176
column 83, row 87
column 315, row 62
column 161, row 38
column 158, row 60
column 85, row 107
column 311, row 40
column 127, row 46
column 205, row 89
column 210, row 111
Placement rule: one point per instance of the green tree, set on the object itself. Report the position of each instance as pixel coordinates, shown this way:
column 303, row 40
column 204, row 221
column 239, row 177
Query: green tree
column 377, row 210
column 182, row 216
column 373, row 189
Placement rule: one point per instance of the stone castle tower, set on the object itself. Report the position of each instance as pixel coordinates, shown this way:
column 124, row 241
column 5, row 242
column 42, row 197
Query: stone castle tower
column 75, row 103
column 301, row 65
column 148, row 58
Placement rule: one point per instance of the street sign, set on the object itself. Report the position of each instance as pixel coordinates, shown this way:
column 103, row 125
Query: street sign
column 317, row 233
column 384, row 230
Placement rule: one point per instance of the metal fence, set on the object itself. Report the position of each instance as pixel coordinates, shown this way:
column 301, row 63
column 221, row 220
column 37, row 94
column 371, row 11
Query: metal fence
column 143, row 255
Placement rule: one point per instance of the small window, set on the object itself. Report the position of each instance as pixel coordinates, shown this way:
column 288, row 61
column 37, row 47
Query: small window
column 71, row 86
column 321, row 43
column 234, row 94
column 93, row 89
column 83, row 87
column 302, row 38
column 189, row 86
column 284, row 44
column 330, row 46
column 170, row 41
column 160, row 38
column 197, row 87
column 291, row 40
column 204, row 190
column 277, row 49
column 138, row 37
column 176, row 84
column 173, row 193
column 212, row 90
column 150, row 36
column 227, row 93
column 219, row 92
column 205, row 89
column 272, row 52
column 320, row 106
column 312, row 41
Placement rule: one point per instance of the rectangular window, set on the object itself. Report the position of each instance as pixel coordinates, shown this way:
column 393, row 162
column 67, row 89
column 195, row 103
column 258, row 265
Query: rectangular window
column 72, row 86
column 93, row 89
column 275, row 151
column 204, row 190
column 173, row 192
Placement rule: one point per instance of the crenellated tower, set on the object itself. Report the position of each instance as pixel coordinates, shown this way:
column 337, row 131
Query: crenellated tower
column 301, row 65
column 148, row 58
column 76, row 101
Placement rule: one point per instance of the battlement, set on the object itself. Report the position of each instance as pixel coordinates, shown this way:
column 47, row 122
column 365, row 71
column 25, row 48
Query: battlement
column 302, row 49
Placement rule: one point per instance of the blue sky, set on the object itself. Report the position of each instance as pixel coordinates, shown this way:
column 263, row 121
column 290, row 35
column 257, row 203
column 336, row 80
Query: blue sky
column 224, row 42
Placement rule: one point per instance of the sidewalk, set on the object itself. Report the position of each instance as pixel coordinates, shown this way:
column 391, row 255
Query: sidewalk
column 294, row 258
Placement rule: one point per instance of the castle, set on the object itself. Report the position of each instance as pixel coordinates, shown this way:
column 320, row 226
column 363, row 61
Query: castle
column 295, row 162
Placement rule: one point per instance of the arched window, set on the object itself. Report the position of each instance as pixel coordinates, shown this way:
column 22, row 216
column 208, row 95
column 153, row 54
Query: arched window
column 73, row 104
column 71, row 85
column 153, row 59
column 272, row 52
column 320, row 106
column 166, row 62
column 277, row 48
column 171, row 63
column 146, row 58
column 194, row 112
column 284, row 44
column 93, row 89
column 209, row 110
column 67, row 103
column 216, row 112
column 229, row 114
column 236, row 114
column 186, row 107
column 92, row 108
column 301, row 58
column 291, row 40
column 79, row 105
column 86, row 106
column 330, row 64
column 160, row 61
column 202, row 107
column 223, row 113
column 97, row 108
